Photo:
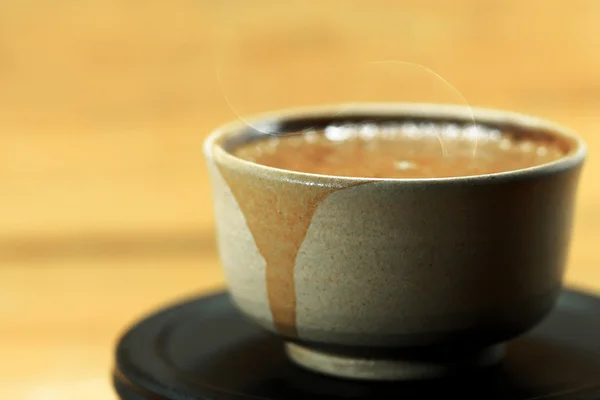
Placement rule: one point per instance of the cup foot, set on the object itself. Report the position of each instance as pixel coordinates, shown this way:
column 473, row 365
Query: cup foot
column 391, row 369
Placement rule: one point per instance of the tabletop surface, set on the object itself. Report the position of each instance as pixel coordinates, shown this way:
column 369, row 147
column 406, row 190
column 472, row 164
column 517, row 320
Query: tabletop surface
column 104, row 196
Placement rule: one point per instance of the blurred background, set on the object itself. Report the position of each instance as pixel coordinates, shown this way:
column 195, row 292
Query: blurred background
column 105, row 203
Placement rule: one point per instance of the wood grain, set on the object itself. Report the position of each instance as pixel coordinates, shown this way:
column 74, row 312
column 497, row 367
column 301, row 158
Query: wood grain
column 105, row 203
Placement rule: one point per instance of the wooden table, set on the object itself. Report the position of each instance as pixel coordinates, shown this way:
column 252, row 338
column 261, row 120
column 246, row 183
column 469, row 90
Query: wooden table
column 105, row 204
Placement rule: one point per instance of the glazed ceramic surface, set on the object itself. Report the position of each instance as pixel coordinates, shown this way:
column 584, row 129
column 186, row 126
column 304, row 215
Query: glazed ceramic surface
column 392, row 263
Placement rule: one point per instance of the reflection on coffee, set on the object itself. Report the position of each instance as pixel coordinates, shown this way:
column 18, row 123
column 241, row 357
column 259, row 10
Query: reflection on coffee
column 404, row 150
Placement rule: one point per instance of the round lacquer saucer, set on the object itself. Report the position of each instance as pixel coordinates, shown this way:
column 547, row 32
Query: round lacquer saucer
column 203, row 349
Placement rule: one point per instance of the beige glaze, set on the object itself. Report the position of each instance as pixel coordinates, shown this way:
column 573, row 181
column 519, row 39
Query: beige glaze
column 278, row 217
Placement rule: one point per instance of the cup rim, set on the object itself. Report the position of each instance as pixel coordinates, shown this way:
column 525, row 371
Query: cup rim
column 214, row 150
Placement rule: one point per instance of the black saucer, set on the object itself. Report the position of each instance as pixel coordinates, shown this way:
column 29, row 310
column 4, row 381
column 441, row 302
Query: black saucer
column 203, row 349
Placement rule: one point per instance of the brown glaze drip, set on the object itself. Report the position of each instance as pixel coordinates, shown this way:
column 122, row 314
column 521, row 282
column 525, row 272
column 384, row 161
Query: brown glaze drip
column 278, row 214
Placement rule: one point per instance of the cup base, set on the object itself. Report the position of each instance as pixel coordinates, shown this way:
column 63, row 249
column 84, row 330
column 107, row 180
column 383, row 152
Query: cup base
column 391, row 369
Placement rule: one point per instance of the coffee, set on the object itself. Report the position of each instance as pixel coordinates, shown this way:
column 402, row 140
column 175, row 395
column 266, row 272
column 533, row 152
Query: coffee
column 407, row 150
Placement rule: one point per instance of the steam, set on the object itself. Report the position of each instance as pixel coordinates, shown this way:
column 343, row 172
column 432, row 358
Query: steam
column 470, row 131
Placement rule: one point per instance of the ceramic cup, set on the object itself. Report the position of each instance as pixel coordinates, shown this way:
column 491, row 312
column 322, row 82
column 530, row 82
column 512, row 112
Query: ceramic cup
column 387, row 279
